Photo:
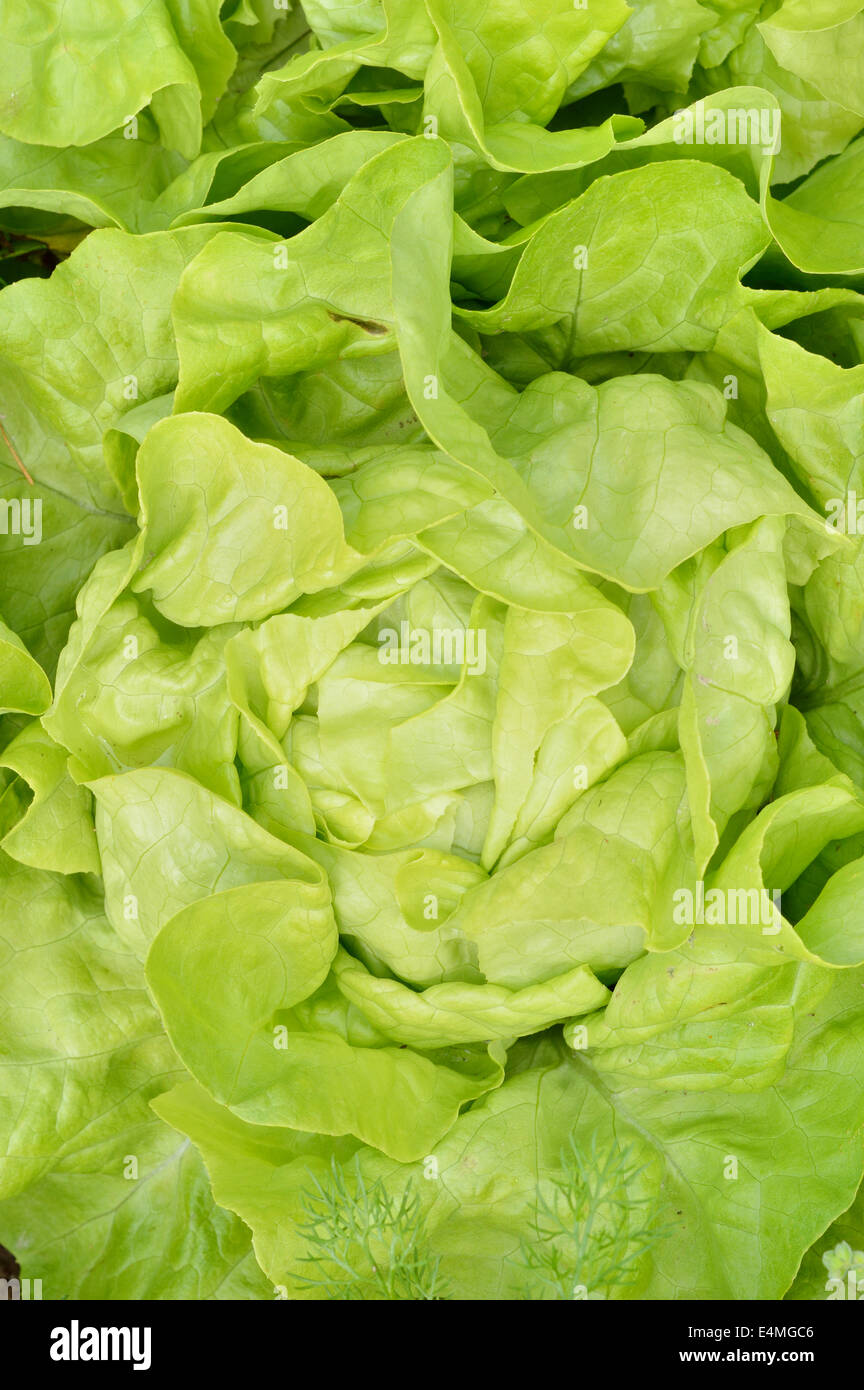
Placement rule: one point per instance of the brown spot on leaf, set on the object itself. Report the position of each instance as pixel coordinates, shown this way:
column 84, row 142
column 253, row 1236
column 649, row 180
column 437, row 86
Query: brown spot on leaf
column 368, row 325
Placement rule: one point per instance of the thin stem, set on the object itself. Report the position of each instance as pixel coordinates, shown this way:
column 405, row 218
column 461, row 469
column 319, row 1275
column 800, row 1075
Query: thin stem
column 13, row 451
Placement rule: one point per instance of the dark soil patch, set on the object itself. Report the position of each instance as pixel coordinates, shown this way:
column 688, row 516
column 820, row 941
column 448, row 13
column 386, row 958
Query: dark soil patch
column 9, row 1267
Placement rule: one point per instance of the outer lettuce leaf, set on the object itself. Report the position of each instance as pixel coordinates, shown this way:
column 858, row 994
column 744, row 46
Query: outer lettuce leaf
column 64, row 382
column 820, row 42
column 165, row 841
column 493, row 85
column 819, row 225
column 24, row 687
column 97, row 1199
column 56, row 831
column 682, row 271
column 228, row 491
column 656, row 48
column 812, row 1281
column 132, row 690
column 67, row 79
column 113, row 182
column 814, row 126
column 310, row 1066
column 774, row 851
column 750, row 1229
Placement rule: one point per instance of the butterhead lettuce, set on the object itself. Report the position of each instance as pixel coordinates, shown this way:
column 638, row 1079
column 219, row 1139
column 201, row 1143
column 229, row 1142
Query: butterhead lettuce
column 432, row 649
